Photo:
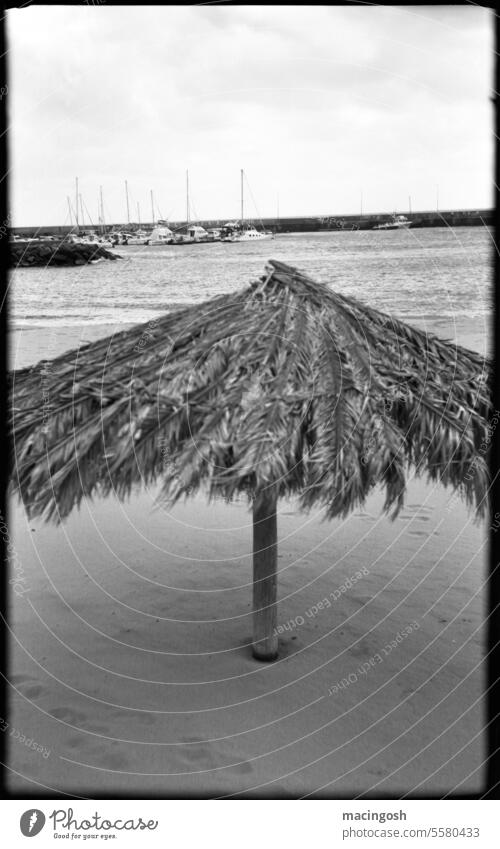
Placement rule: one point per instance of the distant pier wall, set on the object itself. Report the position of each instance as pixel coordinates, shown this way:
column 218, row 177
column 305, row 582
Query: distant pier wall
column 310, row 224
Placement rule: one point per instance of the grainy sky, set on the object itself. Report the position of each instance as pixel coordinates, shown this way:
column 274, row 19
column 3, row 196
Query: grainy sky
column 317, row 104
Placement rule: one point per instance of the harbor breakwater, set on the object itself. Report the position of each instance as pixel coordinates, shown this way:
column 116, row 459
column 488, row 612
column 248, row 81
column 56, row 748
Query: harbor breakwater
column 44, row 253
column 450, row 218
column 306, row 224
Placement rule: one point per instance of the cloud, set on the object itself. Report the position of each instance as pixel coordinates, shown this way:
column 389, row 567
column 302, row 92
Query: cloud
column 375, row 94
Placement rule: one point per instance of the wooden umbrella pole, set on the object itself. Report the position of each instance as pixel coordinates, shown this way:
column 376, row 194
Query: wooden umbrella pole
column 265, row 577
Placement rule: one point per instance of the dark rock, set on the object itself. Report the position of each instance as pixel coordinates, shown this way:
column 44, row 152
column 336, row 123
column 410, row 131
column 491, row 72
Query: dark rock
column 55, row 253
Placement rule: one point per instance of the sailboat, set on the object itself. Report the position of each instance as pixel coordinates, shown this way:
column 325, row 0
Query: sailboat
column 242, row 231
column 191, row 233
column 104, row 240
column 160, row 234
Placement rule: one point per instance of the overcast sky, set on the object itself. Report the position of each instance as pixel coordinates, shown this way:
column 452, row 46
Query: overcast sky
column 317, row 104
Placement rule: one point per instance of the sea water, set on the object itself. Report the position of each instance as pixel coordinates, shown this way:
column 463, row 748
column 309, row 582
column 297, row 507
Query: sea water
column 417, row 275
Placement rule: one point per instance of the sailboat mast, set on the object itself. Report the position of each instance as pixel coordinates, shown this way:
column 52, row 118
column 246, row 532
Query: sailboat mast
column 69, row 208
column 102, row 210
column 76, row 203
column 187, row 197
column 152, row 209
column 81, row 210
column 126, row 195
column 139, row 214
column 241, row 195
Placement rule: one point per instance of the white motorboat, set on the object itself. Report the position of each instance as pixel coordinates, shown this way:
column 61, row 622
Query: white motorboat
column 160, row 236
column 243, row 233
column 119, row 237
column 140, row 237
column 193, row 233
column 81, row 238
column 397, row 222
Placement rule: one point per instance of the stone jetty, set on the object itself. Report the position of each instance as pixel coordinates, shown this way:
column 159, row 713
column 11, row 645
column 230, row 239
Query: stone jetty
column 45, row 252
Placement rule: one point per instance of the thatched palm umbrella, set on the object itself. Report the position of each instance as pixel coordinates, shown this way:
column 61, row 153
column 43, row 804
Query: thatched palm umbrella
column 283, row 388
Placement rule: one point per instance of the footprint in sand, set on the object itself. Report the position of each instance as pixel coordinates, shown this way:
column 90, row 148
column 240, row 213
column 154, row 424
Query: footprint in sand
column 362, row 649
column 29, row 687
column 72, row 743
column 32, row 692
column 359, row 601
column 210, row 756
column 104, row 755
column 408, row 692
column 139, row 716
column 21, row 679
column 197, row 752
column 80, row 720
column 76, row 742
column 244, row 767
column 96, row 728
column 115, row 762
column 67, row 714
column 100, row 754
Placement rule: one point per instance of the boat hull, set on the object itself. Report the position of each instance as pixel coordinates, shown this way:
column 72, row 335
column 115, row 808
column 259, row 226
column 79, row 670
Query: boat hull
column 257, row 238
column 393, row 227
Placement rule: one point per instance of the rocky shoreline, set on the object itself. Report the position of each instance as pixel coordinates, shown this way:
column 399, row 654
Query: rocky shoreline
column 44, row 253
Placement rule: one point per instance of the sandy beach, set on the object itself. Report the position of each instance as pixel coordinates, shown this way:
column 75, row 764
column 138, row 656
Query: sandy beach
column 131, row 665
column 289, row 204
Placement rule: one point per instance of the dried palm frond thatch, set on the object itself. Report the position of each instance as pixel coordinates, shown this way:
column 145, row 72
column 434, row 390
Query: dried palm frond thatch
column 285, row 387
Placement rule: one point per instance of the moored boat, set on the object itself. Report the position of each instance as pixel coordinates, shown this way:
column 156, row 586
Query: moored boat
column 243, row 233
column 242, row 230
column 193, row 233
column 139, row 237
column 161, row 236
column 397, row 222
column 119, row 237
